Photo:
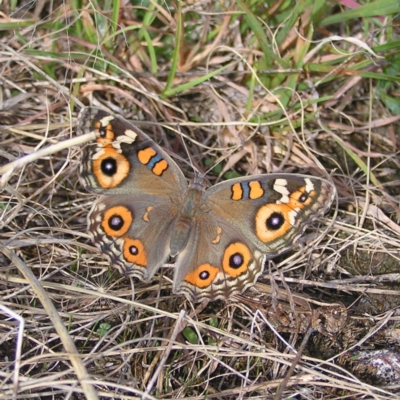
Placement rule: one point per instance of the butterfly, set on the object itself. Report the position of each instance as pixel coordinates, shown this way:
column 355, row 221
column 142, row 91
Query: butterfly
column 220, row 237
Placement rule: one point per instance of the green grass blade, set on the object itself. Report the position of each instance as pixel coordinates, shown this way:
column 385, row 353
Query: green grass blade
column 380, row 8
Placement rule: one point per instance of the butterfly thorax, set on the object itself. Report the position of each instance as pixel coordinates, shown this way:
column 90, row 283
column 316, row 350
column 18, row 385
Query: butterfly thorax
column 191, row 206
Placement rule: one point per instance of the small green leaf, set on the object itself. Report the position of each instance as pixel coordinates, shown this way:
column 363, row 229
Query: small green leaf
column 103, row 328
column 190, row 335
column 392, row 103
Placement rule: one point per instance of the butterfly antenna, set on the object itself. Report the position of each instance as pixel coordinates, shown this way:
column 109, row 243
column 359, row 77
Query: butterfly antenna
column 232, row 150
column 197, row 173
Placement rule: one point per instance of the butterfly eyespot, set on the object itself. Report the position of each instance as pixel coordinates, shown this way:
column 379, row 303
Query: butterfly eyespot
column 105, row 131
column 117, row 221
column 110, row 168
column 275, row 221
column 236, row 259
column 202, row 276
column 303, row 197
column 102, row 131
column 272, row 221
column 134, row 252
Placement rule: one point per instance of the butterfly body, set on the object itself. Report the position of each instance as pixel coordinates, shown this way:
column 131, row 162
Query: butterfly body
column 219, row 237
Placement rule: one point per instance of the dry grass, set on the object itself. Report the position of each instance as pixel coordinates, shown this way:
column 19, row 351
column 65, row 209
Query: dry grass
column 294, row 87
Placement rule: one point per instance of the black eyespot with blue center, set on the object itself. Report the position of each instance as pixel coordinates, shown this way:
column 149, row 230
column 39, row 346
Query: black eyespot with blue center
column 304, row 197
column 116, row 222
column 109, row 166
column 133, row 250
column 275, row 221
column 204, row 275
column 236, row 260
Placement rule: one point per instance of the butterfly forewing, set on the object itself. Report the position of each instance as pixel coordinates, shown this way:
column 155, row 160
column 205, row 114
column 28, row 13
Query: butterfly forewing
column 124, row 160
column 272, row 210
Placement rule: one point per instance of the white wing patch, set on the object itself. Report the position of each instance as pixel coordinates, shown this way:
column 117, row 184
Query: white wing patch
column 309, row 185
column 128, row 137
column 280, row 187
column 106, row 120
column 131, row 135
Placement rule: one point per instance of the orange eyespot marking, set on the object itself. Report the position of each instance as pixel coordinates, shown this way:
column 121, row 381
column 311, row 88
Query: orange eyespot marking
column 236, row 260
column 237, row 192
column 110, row 168
column 105, row 135
column 202, row 276
column 218, row 237
column 272, row 221
column 301, row 198
column 116, row 221
column 160, row 167
column 145, row 155
column 134, row 252
column 256, row 190
column 146, row 215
